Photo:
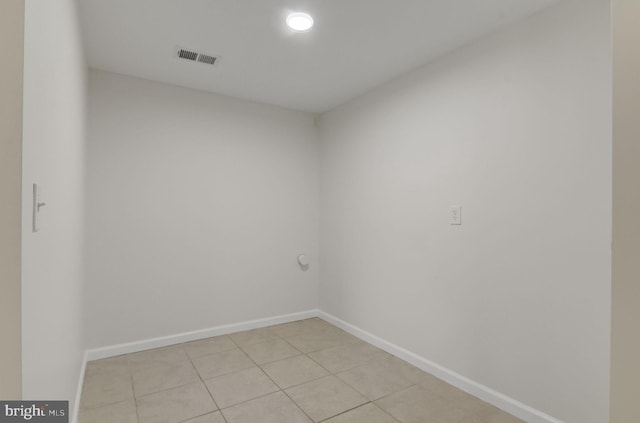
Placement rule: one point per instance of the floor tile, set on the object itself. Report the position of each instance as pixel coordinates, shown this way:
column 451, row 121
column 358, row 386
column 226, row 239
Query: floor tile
column 215, row 417
column 175, row 405
column 346, row 357
column 463, row 400
column 317, row 323
column 240, row 386
column 291, row 329
column 451, row 394
column 101, row 389
column 377, row 379
column 368, row 413
column 294, row 371
column 300, row 327
column 208, row 346
column 214, row 365
column 114, row 365
column 490, row 414
column 266, row 352
column 407, row 370
column 121, row 412
column 163, row 376
column 168, row 387
column 253, row 336
column 166, row 355
column 273, row 408
column 319, row 340
column 324, row 398
column 418, row 405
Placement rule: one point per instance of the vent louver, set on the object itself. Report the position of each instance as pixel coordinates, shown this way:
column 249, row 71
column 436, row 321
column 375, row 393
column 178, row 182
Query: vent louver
column 186, row 54
column 194, row 56
column 203, row 58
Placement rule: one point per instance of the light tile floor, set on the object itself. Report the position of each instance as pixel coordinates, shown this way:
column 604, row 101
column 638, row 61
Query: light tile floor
column 299, row 372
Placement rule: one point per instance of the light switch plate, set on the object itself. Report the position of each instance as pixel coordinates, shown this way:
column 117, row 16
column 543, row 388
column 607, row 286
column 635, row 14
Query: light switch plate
column 455, row 215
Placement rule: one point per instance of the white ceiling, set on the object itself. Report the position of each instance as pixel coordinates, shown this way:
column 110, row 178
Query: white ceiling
column 354, row 46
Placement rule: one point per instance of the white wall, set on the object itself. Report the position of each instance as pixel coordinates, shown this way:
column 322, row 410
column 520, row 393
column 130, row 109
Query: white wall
column 516, row 128
column 198, row 206
column 53, row 156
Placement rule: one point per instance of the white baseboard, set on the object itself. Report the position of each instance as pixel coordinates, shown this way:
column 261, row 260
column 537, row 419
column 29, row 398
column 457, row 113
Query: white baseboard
column 508, row 404
column 163, row 341
column 76, row 404
column 485, row 393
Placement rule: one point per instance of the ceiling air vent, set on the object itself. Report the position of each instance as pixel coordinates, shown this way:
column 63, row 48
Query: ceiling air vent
column 194, row 56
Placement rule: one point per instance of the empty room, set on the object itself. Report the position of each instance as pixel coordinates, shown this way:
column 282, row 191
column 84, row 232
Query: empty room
column 320, row 211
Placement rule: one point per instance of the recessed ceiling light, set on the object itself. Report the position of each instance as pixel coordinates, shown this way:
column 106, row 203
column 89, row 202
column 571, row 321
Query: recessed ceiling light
column 299, row 22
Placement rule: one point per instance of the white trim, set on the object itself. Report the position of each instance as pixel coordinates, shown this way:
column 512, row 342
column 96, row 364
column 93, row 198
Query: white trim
column 163, row 341
column 485, row 393
column 76, row 404
column 508, row 404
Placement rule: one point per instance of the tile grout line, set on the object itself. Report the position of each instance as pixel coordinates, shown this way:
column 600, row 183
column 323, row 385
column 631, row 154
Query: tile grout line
column 173, row 387
column 82, row 409
column 330, row 374
column 396, row 392
column 205, row 385
column 301, row 383
column 276, row 337
column 311, row 358
column 280, row 390
column 335, row 374
column 345, row 411
column 257, row 366
column 133, row 389
column 273, row 361
column 190, row 360
column 283, row 390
